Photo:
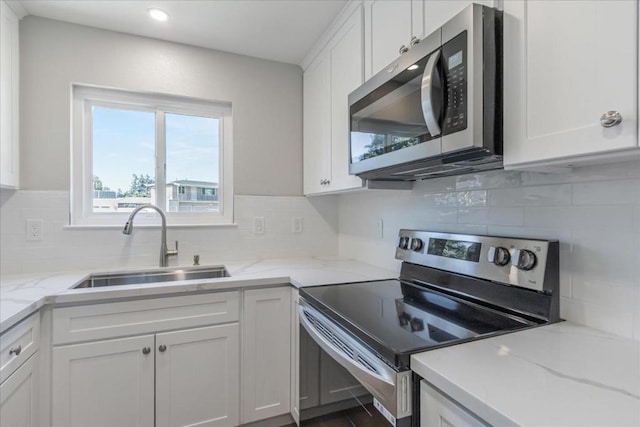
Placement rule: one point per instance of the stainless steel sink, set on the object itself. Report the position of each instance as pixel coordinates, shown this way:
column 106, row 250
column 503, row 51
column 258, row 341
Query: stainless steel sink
column 152, row 276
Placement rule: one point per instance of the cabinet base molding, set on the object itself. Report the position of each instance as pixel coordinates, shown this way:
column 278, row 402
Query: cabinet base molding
column 279, row 421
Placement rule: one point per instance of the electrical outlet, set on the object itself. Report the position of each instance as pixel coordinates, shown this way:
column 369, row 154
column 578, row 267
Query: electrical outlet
column 258, row 225
column 297, row 224
column 34, row 230
column 379, row 229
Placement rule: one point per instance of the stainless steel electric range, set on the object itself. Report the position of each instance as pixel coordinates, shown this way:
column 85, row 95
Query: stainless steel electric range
column 452, row 288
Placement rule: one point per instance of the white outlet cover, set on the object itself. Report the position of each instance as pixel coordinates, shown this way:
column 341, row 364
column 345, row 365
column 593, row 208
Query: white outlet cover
column 258, row 225
column 379, row 229
column 34, row 230
column 297, row 224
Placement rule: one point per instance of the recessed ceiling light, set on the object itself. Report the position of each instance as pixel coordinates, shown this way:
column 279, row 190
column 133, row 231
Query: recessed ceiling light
column 158, row 14
column 413, row 67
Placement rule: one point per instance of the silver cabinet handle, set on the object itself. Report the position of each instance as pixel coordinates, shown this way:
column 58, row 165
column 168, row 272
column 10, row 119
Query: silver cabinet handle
column 428, row 110
column 414, row 41
column 162, row 348
column 403, row 49
column 610, row 119
column 15, row 350
column 146, row 350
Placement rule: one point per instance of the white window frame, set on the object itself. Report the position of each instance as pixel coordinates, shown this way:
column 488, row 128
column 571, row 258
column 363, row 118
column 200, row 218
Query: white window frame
column 81, row 194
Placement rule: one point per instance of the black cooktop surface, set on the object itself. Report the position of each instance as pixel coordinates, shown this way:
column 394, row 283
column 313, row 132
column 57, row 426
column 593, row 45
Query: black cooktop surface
column 396, row 319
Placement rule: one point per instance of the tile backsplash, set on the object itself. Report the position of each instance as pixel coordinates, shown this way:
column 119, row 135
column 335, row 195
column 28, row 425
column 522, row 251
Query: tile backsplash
column 63, row 248
column 593, row 211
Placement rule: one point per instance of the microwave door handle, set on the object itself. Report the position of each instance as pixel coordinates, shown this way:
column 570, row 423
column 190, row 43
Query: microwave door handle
column 428, row 109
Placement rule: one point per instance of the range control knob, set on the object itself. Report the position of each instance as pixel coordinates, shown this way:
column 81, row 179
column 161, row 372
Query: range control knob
column 416, row 244
column 523, row 259
column 404, row 243
column 498, row 255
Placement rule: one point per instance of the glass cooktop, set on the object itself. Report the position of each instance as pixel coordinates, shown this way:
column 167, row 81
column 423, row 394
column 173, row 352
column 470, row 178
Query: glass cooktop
column 396, row 318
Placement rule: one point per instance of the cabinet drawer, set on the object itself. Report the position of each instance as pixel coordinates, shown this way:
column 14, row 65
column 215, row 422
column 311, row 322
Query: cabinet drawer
column 18, row 344
column 100, row 321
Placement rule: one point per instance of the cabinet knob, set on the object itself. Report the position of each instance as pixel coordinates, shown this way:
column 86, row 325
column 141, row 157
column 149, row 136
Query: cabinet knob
column 146, row 350
column 403, row 49
column 610, row 119
column 162, row 348
column 15, row 350
column 414, row 41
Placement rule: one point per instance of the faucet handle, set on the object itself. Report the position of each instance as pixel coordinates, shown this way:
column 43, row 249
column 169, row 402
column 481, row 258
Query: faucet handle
column 174, row 252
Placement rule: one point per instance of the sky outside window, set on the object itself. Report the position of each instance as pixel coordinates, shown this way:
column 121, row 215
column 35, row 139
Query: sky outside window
column 123, row 145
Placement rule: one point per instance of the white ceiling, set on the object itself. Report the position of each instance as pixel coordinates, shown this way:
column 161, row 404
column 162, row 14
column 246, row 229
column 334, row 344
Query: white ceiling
column 280, row 30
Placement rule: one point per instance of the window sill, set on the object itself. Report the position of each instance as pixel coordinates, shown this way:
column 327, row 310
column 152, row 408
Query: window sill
column 121, row 226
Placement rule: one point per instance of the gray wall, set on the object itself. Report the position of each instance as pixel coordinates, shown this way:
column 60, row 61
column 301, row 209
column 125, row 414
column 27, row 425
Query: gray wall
column 266, row 98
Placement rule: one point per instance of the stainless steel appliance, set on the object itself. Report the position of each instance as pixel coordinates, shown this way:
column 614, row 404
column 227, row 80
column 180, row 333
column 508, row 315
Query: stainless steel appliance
column 452, row 288
column 436, row 110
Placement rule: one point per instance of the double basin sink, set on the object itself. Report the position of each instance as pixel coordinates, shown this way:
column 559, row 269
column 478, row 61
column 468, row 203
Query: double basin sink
column 152, row 276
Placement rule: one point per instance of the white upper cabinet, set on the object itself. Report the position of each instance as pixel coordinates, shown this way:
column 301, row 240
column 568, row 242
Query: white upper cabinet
column 9, row 84
column 389, row 27
column 336, row 71
column 316, row 116
column 566, row 64
column 347, row 73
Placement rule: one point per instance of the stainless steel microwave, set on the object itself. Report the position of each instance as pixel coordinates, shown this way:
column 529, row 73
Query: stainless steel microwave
column 436, row 110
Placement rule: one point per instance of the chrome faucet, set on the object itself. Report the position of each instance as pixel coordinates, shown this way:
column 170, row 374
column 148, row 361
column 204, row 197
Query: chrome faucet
column 164, row 252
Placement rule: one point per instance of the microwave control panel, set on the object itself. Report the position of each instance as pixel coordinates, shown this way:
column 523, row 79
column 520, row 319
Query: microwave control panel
column 454, row 54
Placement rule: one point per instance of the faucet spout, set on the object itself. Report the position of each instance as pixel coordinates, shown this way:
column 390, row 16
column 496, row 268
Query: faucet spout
column 164, row 252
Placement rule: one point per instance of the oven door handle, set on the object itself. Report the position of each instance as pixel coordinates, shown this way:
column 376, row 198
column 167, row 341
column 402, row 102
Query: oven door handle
column 428, row 80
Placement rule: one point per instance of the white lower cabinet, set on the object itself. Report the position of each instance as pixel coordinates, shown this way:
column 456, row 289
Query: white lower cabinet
column 17, row 396
column 198, row 377
column 104, row 383
column 266, row 353
column 182, row 378
column 437, row 410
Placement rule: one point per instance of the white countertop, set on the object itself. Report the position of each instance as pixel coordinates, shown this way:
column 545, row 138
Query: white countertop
column 557, row 375
column 22, row 295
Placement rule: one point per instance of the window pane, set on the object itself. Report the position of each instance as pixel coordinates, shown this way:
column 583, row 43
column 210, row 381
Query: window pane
column 123, row 159
column 193, row 163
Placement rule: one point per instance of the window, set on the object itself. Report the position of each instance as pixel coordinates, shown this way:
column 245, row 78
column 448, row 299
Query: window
column 132, row 149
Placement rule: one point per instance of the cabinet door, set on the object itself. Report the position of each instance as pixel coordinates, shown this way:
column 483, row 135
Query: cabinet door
column 17, row 397
column 437, row 12
column 9, row 84
column 105, row 383
column 316, row 130
column 561, row 78
column 389, row 28
column 347, row 73
column 266, row 353
column 437, row 410
column 336, row 383
column 198, row 377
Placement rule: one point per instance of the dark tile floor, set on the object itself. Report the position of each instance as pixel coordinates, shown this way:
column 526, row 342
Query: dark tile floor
column 355, row 417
